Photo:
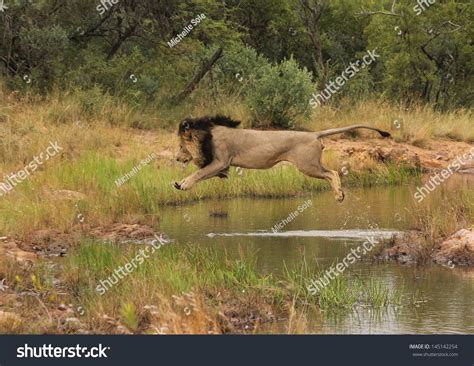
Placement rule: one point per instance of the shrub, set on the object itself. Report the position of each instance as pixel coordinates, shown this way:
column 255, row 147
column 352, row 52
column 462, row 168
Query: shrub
column 238, row 69
column 280, row 95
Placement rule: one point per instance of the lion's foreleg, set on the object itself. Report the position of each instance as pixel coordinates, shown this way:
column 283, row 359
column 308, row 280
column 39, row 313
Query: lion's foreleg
column 207, row 172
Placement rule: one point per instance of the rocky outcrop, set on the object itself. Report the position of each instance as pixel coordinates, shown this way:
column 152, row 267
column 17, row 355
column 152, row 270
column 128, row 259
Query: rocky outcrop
column 457, row 250
column 405, row 249
column 411, row 248
column 121, row 232
column 401, row 156
column 9, row 248
column 435, row 156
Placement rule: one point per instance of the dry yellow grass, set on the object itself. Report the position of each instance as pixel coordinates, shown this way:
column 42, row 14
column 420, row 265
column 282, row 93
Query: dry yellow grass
column 415, row 125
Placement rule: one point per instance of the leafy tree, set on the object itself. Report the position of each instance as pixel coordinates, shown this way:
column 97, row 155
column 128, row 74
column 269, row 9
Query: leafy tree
column 426, row 56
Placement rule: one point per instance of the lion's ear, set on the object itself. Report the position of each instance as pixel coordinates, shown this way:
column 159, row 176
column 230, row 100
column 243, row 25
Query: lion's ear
column 185, row 125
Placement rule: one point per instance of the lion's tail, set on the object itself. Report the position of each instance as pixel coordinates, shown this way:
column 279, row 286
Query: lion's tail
column 335, row 131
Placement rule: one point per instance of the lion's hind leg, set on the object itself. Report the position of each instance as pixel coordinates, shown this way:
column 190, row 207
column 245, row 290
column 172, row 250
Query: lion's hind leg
column 316, row 170
column 336, row 184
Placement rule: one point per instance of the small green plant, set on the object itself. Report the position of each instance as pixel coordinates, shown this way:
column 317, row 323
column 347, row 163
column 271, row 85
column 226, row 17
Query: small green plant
column 128, row 315
column 345, row 293
column 339, row 293
column 377, row 294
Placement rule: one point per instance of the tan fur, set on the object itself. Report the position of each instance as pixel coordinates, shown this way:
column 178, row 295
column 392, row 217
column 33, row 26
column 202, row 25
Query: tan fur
column 253, row 149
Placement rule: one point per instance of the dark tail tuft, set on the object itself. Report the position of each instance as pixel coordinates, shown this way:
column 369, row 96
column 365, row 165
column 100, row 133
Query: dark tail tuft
column 385, row 134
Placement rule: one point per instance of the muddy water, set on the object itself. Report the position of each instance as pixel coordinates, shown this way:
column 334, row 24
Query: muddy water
column 326, row 231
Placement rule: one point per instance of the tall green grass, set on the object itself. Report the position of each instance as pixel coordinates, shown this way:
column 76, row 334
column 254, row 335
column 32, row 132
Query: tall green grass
column 171, row 269
column 342, row 292
column 175, row 269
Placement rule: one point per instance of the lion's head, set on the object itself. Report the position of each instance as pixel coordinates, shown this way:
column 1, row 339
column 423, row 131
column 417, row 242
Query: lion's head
column 183, row 156
column 195, row 135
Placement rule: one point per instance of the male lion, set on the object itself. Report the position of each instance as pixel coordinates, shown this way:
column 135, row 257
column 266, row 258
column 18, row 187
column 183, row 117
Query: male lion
column 215, row 144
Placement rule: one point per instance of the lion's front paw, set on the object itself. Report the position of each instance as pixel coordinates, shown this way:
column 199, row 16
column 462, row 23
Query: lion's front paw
column 184, row 185
column 340, row 196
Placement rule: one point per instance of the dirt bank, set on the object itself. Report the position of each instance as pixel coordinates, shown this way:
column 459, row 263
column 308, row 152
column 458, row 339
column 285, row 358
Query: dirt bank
column 457, row 250
column 436, row 155
column 413, row 248
column 53, row 243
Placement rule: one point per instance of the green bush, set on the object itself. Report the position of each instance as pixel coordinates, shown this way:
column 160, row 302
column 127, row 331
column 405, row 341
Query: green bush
column 280, row 97
column 238, row 69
